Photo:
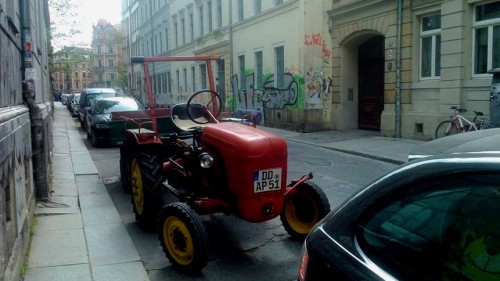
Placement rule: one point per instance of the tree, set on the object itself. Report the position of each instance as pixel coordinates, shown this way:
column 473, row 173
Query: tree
column 63, row 23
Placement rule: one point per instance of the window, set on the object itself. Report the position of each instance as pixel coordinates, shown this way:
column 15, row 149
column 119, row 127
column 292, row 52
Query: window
column 209, row 5
column 279, row 53
column 169, row 84
column 183, row 31
column 240, row 10
column 430, row 46
column 259, row 70
column 110, row 49
column 166, row 39
column 435, row 230
column 191, row 27
column 221, row 78
column 241, row 65
column 258, row 6
column 219, row 13
column 185, row 80
column 111, row 63
column 278, row 2
column 203, row 76
column 178, row 81
column 193, row 79
column 176, row 34
column 486, row 37
column 202, row 20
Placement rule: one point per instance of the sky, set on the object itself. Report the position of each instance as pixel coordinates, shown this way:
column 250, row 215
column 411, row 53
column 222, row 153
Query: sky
column 83, row 16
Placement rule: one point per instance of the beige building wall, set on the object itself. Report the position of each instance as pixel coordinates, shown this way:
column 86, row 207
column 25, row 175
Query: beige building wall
column 423, row 101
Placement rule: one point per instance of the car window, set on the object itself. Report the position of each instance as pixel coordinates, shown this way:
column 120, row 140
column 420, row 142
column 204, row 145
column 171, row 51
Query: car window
column 437, row 230
column 108, row 106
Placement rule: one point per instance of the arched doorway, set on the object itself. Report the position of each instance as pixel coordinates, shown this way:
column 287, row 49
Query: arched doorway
column 371, row 83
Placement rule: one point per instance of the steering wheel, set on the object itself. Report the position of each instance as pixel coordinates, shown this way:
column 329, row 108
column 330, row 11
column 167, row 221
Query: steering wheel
column 202, row 101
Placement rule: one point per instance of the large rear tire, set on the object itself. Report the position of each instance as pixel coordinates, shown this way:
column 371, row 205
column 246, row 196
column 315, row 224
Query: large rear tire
column 183, row 237
column 125, row 168
column 303, row 209
column 446, row 128
column 145, row 180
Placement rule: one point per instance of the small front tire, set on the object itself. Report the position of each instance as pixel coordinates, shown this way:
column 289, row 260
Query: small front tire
column 183, row 237
column 303, row 209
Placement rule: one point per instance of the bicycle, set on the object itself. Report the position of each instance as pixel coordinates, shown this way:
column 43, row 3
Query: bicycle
column 460, row 124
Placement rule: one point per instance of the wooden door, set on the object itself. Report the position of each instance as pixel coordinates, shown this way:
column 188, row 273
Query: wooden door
column 371, row 83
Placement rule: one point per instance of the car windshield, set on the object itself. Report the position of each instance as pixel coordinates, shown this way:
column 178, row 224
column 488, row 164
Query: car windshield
column 108, row 106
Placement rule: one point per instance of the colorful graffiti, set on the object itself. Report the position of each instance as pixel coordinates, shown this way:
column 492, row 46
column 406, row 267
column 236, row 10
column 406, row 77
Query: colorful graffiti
column 269, row 96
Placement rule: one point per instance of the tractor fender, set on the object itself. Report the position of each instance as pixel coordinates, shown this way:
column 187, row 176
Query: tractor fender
column 142, row 139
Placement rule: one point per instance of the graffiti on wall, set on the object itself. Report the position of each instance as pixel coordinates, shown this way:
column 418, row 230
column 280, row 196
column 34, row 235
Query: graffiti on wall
column 270, row 96
column 317, row 56
column 279, row 97
column 316, row 39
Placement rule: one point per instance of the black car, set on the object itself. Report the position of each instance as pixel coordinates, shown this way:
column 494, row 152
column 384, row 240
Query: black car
column 99, row 114
column 430, row 219
column 482, row 140
column 89, row 94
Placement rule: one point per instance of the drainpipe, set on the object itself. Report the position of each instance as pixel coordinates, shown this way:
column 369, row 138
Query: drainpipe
column 231, row 51
column 398, row 70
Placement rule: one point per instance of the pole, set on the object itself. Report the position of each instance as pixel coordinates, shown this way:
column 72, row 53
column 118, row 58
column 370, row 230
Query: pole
column 398, row 71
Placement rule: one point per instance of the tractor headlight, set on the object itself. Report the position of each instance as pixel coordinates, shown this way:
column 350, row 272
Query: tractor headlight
column 206, row 160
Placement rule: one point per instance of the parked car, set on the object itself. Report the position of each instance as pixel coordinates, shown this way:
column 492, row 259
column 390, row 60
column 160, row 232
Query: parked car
column 482, row 140
column 430, row 219
column 75, row 104
column 89, row 94
column 64, row 98
column 99, row 115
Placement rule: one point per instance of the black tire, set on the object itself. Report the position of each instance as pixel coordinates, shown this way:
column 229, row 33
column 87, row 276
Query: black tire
column 93, row 139
column 125, row 162
column 303, row 209
column 145, row 181
column 183, row 237
column 192, row 106
column 445, row 128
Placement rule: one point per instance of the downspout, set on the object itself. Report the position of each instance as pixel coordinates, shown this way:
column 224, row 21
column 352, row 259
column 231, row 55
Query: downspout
column 398, row 70
column 233, row 106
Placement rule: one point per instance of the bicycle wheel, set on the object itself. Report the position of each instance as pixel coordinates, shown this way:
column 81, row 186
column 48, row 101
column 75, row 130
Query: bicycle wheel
column 484, row 126
column 446, row 128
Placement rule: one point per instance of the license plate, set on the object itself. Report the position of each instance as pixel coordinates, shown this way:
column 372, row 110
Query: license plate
column 266, row 180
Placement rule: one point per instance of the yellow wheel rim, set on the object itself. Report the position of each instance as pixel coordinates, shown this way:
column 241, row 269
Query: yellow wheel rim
column 137, row 187
column 178, row 240
column 301, row 212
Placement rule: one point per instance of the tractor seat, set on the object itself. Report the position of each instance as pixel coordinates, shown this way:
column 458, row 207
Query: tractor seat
column 182, row 120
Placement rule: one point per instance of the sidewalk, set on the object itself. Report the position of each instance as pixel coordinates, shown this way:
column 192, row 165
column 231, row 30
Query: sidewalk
column 79, row 234
column 369, row 144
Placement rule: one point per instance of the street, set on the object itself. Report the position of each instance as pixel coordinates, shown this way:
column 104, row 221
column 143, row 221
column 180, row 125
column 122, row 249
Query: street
column 241, row 250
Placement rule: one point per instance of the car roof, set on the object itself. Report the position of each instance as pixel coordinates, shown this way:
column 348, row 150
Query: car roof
column 100, row 90
column 477, row 141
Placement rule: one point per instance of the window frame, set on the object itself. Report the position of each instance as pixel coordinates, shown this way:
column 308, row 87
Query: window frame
column 434, row 34
column 490, row 24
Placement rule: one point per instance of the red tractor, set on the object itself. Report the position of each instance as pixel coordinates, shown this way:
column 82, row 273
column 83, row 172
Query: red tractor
column 211, row 166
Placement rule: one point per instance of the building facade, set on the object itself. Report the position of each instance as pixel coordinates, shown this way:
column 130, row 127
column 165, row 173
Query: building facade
column 71, row 69
column 107, row 67
column 390, row 66
column 25, row 125
column 432, row 55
